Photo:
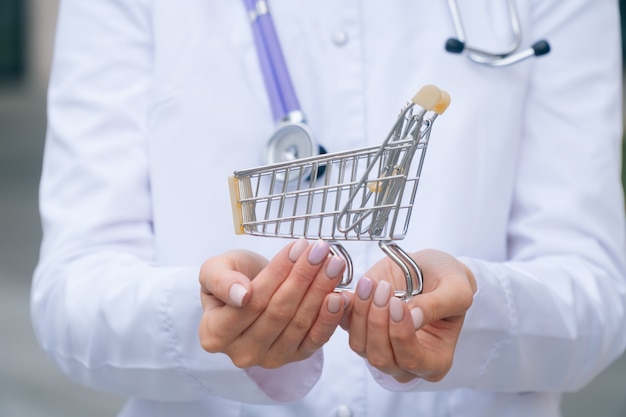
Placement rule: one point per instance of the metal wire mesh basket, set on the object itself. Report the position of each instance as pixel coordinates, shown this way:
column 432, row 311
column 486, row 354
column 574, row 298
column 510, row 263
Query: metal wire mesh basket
column 363, row 194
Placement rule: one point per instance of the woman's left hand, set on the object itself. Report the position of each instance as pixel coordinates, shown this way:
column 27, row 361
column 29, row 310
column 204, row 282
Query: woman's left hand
column 416, row 339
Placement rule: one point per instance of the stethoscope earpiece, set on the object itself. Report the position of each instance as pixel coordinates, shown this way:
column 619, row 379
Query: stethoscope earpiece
column 541, row 47
column 454, row 46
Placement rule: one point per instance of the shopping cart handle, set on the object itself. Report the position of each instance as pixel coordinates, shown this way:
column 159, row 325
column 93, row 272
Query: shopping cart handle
column 443, row 104
column 427, row 97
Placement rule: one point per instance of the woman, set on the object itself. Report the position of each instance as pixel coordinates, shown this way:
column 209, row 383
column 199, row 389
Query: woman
column 153, row 105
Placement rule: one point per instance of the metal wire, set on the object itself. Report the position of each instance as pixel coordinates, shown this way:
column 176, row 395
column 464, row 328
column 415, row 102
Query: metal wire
column 364, row 194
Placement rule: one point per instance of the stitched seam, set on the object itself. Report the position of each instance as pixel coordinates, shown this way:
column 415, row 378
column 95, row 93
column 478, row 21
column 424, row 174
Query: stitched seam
column 173, row 342
column 513, row 320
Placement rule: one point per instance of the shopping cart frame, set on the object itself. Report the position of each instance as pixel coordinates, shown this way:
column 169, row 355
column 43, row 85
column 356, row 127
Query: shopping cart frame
column 363, row 194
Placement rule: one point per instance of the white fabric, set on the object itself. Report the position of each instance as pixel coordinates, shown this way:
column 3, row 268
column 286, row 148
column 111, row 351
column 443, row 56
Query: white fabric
column 154, row 103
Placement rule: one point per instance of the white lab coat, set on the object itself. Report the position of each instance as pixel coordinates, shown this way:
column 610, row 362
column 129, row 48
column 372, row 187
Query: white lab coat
column 153, row 104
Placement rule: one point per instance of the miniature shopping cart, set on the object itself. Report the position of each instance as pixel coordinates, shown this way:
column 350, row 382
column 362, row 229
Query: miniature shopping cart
column 364, row 194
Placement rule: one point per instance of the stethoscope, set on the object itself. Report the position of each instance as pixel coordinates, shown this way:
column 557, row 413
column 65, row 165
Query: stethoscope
column 293, row 138
column 510, row 56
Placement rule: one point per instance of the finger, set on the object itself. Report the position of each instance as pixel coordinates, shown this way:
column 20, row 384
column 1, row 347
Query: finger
column 228, row 276
column 271, row 277
column 329, row 318
column 446, row 301
column 210, row 302
column 407, row 351
column 285, row 301
column 426, row 353
column 430, row 358
column 309, row 308
column 218, row 329
column 221, row 326
column 358, row 318
column 227, row 287
column 379, row 351
column 347, row 309
column 448, row 291
column 225, row 278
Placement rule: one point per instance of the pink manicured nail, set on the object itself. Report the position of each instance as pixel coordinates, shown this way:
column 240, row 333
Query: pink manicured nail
column 334, row 267
column 396, row 309
column 346, row 300
column 364, row 288
column 297, row 249
column 319, row 252
column 236, row 294
column 381, row 296
column 334, row 303
column 418, row 317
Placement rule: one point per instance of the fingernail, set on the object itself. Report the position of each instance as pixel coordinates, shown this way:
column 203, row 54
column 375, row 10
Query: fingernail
column 381, row 296
column 346, row 300
column 297, row 249
column 396, row 309
column 237, row 293
column 418, row 317
column 334, row 303
column 334, row 267
column 319, row 252
column 364, row 288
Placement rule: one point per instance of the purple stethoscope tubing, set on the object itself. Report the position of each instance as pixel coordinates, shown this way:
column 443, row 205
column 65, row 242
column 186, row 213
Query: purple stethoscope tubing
column 292, row 138
column 278, row 83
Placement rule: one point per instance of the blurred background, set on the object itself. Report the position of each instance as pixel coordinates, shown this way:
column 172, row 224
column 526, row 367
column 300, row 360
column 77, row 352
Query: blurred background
column 30, row 386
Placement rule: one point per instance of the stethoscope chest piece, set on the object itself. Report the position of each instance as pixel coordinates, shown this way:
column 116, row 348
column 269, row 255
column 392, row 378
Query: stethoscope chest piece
column 290, row 141
column 292, row 138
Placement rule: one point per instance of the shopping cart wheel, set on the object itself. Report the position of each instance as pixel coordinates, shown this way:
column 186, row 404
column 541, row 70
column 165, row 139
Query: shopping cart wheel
column 412, row 272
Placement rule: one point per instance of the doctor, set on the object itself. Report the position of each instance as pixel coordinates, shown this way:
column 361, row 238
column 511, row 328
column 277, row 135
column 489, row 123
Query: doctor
column 143, row 289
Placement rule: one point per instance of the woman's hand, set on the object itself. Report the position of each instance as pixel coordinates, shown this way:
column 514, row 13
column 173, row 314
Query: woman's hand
column 416, row 339
column 270, row 313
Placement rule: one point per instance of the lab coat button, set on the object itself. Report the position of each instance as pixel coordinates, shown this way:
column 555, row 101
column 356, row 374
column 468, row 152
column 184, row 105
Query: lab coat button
column 343, row 411
column 340, row 38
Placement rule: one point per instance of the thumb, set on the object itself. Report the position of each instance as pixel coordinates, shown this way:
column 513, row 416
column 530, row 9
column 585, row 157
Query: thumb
column 449, row 288
column 222, row 278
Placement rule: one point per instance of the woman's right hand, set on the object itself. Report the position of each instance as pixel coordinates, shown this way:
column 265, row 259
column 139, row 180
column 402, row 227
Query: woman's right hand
column 270, row 313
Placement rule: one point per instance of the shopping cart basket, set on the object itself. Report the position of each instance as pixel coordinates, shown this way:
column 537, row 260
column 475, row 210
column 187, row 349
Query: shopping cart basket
column 363, row 194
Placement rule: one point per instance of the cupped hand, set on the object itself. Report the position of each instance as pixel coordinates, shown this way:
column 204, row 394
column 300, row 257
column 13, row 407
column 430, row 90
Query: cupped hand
column 415, row 339
column 270, row 313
